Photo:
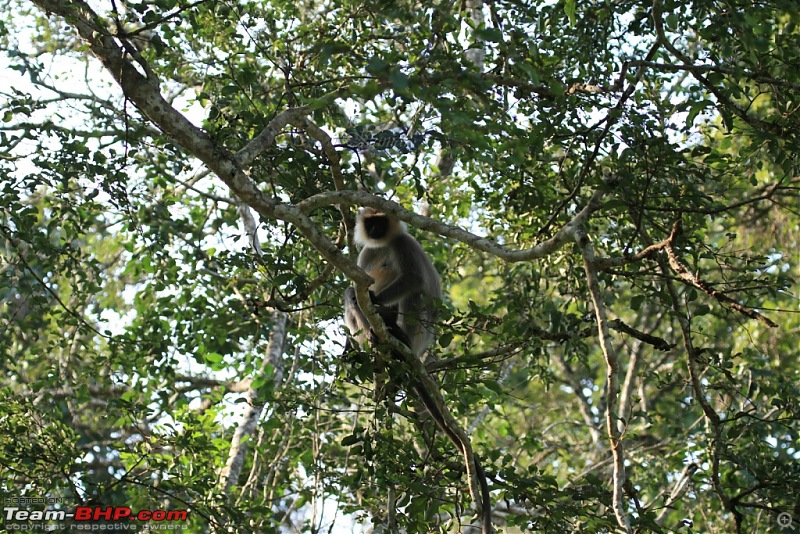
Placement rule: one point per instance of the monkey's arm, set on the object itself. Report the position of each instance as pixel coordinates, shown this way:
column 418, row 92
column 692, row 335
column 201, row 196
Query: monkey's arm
column 357, row 322
column 410, row 262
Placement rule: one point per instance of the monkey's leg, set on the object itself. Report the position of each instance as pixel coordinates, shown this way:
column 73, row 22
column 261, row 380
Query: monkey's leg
column 387, row 374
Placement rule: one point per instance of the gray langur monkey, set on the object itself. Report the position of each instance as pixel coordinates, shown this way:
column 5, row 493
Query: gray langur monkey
column 406, row 285
column 405, row 290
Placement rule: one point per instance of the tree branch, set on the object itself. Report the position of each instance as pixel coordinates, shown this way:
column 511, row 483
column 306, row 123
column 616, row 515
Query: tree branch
column 711, row 415
column 692, row 68
column 612, row 381
column 691, row 279
column 684, row 274
column 266, row 138
column 545, row 248
column 229, row 476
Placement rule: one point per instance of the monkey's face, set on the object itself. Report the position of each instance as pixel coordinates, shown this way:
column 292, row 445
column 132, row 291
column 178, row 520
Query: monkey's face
column 377, row 226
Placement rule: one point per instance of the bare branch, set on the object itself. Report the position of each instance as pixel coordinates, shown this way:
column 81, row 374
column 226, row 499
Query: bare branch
column 266, row 138
column 612, row 381
column 229, row 476
column 561, row 238
column 656, row 342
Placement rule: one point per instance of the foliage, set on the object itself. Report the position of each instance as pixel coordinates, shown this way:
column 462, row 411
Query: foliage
column 643, row 154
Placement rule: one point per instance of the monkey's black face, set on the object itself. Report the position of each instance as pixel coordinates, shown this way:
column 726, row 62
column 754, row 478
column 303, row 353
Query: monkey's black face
column 376, row 226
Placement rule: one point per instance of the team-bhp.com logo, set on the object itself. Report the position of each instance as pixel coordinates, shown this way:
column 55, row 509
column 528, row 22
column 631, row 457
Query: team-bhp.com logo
column 94, row 513
column 118, row 513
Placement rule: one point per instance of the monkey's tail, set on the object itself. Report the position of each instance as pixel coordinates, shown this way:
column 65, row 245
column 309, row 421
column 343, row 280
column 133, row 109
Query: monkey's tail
column 480, row 474
column 486, row 512
column 482, row 502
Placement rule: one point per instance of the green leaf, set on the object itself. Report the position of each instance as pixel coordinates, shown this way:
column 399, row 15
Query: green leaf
column 213, row 357
column 570, row 8
column 399, row 80
column 350, row 440
column 702, row 309
column 445, row 339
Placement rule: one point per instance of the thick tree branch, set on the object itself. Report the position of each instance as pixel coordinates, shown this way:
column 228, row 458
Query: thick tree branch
column 266, row 138
column 543, row 249
column 144, row 93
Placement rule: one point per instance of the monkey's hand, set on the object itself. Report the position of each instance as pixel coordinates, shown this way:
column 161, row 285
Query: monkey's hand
column 386, row 311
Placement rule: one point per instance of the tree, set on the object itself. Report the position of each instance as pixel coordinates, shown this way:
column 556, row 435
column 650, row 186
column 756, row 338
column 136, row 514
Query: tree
column 609, row 190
